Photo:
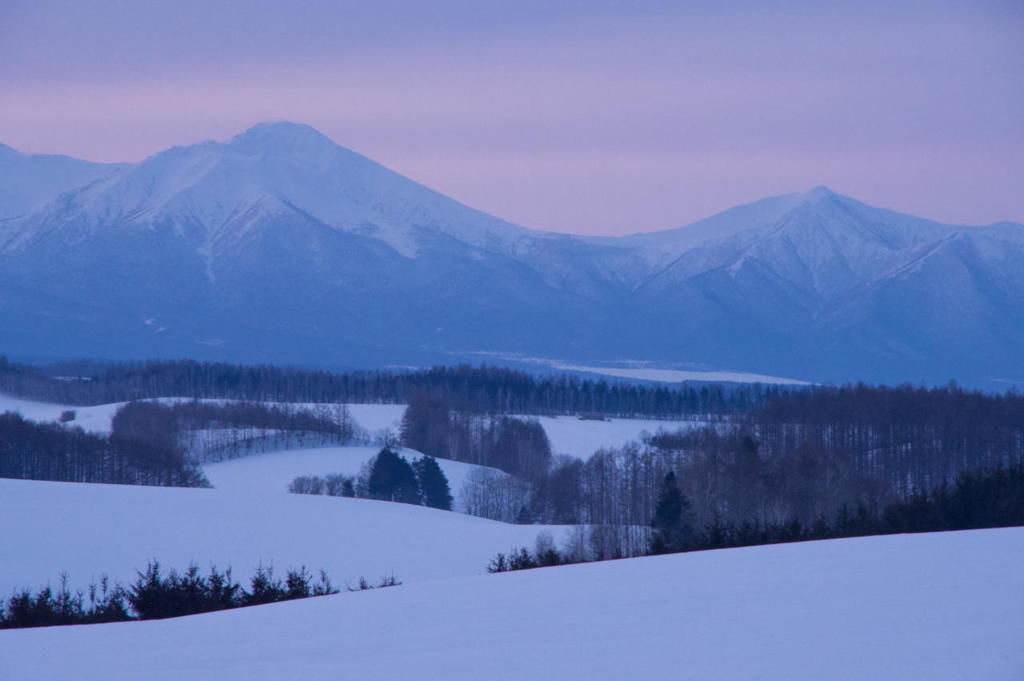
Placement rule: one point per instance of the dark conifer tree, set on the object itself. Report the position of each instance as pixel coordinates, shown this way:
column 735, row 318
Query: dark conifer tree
column 393, row 479
column 433, row 483
column 673, row 523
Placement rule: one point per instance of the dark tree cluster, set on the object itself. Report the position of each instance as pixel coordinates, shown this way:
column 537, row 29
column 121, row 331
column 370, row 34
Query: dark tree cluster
column 518, row 446
column 214, row 431
column 912, row 439
column 333, row 485
column 48, row 451
column 158, row 595
column 389, row 477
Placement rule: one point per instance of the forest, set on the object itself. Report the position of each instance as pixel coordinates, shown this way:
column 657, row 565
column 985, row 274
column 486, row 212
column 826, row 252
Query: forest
column 155, row 443
column 798, row 457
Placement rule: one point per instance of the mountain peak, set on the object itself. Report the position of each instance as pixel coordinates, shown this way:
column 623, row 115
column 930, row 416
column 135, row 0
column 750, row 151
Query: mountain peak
column 819, row 193
column 282, row 137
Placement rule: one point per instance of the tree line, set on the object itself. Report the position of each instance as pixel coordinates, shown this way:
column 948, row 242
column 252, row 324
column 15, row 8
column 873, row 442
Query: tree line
column 484, row 389
column 214, row 431
column 434, row 426
column 800, row 456
column 50, row 451
column 974, row 501
column 156, row 443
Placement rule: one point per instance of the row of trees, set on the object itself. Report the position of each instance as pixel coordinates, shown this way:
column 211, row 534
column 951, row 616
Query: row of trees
column 155, row 443
column 387, row 477
column 213, row 431
column 518, row 446
column 49, row 451
column 974, row 501
column 484, row 389
column 728, row 475
column 911, row 439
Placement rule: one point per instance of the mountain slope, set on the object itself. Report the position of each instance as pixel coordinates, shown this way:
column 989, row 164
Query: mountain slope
column 279, row 245
column 27, row 182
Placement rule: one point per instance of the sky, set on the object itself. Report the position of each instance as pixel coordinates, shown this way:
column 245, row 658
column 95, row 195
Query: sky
column 590, row 117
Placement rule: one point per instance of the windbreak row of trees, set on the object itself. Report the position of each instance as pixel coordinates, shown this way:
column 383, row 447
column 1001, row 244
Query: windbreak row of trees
column 974, row 501
column 213, row 431
column 910, row 439
column 156, row 443
column 518, row 446
column 482, row 390
column 49, row 451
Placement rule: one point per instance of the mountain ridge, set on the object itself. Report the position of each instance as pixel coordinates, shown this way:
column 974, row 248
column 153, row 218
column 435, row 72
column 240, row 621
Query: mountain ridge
column 280, row 245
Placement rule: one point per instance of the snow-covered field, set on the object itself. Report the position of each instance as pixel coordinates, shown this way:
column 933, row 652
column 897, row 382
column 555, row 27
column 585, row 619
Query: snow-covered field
column 581, row 438
column 568, row 434
column 87, row 530
column 94, row 419
column 270, row 473
column 942, row 607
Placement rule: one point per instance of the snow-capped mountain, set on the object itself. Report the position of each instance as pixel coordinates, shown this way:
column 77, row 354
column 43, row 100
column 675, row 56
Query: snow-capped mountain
column 28, row 182
column 280, row 245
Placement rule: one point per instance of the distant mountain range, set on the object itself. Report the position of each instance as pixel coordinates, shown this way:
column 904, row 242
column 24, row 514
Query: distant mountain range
column 281, row 246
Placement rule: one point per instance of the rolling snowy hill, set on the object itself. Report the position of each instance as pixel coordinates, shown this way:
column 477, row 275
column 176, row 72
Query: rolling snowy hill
column 191, row 251
column 87, row 530
column 271, row 472
column 943, row 607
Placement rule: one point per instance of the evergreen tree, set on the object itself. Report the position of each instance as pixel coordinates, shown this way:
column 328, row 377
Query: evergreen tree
column 393, row 479
column 433, row 483
column 673, row 519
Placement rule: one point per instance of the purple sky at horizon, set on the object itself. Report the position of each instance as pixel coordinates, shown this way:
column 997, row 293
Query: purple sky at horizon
column 596, row 117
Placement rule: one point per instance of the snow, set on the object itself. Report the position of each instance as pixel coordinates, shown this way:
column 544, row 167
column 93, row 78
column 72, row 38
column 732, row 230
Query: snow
column 270, row 473
column 943, row 607
column 87, row 530
column 582, row 437
column 94, row 419
column 376, row 417
column 568, row 435
column 678, row 375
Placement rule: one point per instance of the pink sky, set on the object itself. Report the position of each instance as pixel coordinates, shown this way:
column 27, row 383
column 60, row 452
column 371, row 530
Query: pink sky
column 587, row 117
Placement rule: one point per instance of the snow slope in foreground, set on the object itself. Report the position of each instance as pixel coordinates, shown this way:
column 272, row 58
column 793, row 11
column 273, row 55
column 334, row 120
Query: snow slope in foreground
column 87, row 530
column 270, row 473
column 942, row 607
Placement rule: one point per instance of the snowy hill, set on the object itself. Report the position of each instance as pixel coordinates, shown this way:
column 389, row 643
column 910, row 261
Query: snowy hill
column 87, row 530
column 270, row 473
column 943, row 607
column 190, row 251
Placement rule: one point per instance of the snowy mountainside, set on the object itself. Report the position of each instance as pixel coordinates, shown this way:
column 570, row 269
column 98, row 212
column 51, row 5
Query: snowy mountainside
column 279, row 245
column 29, row 181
